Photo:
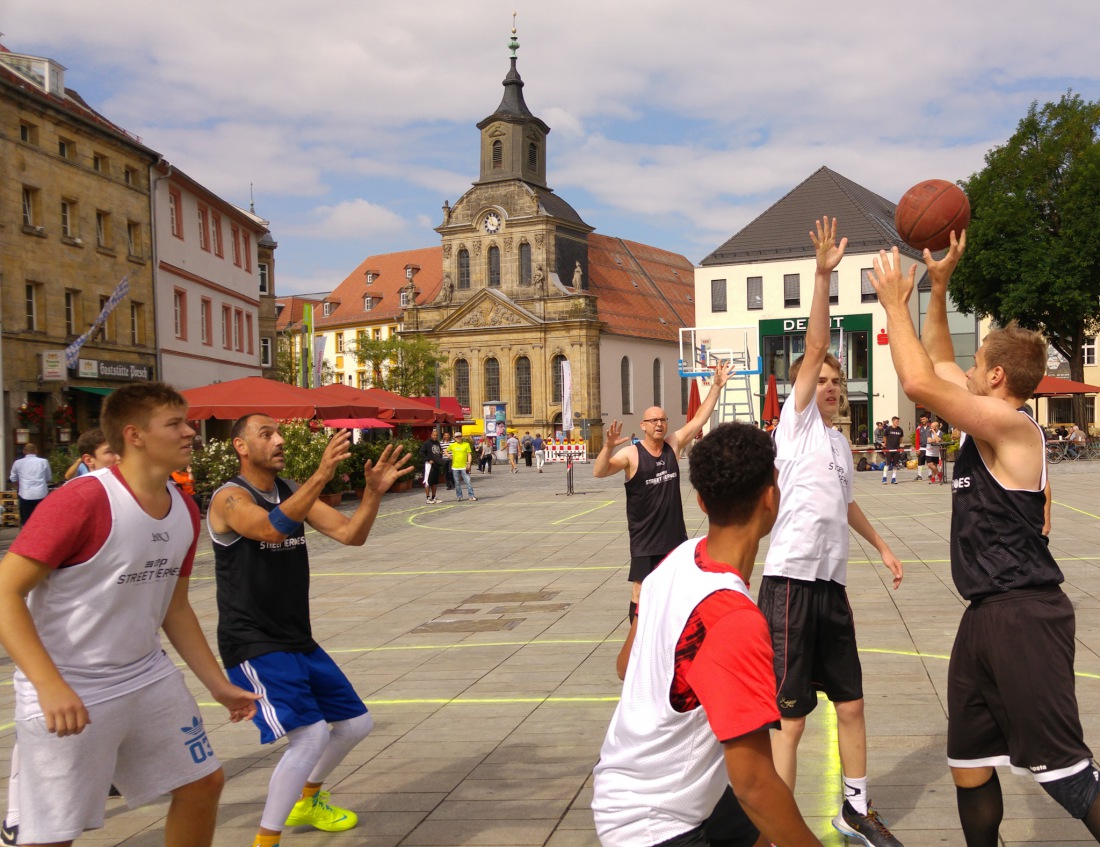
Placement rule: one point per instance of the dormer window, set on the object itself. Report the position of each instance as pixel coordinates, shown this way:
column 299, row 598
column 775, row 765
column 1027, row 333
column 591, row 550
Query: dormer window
column 498, row 154
column 327, row 309
column 370, row 277
column 368, row 303
column 405, row 300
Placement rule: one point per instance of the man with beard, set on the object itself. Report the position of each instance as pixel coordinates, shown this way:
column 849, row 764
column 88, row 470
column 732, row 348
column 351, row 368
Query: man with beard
column 264, row 635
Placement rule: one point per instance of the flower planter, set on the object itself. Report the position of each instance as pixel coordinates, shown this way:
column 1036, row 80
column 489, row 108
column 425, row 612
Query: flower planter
column 359, row 492
column 333, row 500
column 400, row 485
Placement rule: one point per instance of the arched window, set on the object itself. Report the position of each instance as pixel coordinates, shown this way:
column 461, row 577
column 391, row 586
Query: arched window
column 494, row 267
column 532, row 157
column 628, row 393
column 555, row 378
column 657, row 387
column 463, row 268
column 498, row 154
column 462, row 382
column 524, row 263
column 523, row 386
column 492, row 381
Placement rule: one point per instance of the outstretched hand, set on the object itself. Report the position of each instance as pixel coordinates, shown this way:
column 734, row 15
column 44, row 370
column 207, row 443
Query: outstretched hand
column 829, row 253
column 940, row 271
column 613, row 435
column 721, row 373
column 337, row 449
column 389, row 468
column 893, row 287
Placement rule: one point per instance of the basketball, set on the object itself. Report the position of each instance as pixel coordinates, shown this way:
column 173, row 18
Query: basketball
column 929, row 211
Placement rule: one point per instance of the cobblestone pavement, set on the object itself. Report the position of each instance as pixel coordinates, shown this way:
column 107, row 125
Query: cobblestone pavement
column 483, row 637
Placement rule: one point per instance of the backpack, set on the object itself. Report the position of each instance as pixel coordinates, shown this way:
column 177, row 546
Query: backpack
column 863, row 464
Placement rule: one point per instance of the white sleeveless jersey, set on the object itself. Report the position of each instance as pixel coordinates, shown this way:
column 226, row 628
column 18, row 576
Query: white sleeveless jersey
column 660, row 771
column 100, row 620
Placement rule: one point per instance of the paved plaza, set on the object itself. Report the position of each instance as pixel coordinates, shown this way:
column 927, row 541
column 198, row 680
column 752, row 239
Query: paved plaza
column 483, row 638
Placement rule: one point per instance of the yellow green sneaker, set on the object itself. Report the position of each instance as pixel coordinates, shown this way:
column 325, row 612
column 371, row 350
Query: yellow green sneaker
column 315, row 811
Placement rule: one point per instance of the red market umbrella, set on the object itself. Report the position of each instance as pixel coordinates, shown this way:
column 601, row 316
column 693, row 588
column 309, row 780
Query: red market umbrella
column 356, row 398
column 357, row 423
column 771, row 400
column 1052, row 386
column 230, row 400
column 404, row 410
column 694, row 402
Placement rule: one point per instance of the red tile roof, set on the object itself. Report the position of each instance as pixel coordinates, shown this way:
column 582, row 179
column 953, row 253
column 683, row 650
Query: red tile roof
column 389, row 269
column 643, row 291
column 291, row 313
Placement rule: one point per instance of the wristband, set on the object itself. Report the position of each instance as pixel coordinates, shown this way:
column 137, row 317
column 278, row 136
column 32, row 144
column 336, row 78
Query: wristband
column 282, row 523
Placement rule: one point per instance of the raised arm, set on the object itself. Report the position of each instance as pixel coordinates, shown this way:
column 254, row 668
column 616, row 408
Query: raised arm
column 607, row 460
column 378, row 476
column 689, row 430
column 936, row 336
column 829, row 254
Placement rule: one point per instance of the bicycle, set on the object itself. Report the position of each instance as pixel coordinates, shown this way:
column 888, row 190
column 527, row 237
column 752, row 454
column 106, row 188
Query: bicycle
column 1056, row 451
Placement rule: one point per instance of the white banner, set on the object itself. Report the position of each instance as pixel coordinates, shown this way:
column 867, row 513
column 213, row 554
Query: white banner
column 566, row 396
column 72, row 352
column 318, row 358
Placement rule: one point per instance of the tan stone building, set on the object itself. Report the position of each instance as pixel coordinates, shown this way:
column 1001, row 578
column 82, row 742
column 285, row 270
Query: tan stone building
column 74, row 221
column 521, row 284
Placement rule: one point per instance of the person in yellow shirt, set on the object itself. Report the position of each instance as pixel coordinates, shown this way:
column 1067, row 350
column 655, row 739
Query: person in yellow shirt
column 460, row 465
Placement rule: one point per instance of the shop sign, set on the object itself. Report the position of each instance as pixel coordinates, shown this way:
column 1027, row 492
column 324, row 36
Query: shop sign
column 53, row 366
column 87, row 368
column 99, row 369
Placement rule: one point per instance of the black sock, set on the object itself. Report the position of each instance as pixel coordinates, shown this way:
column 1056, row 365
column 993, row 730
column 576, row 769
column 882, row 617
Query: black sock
column 980, row 812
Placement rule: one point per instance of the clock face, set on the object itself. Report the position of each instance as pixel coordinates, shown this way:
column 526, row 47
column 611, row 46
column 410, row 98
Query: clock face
column 492, row 223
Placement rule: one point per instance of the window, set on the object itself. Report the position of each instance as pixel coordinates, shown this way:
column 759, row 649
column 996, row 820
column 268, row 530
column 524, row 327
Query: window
column 834, row 288
column 658, row 399
column 718, row 295
column 792, row 291
column 137, row 324
column 1088, row 351
column 368, row 303
column 524, row 263
column 463, row 268
column 339, row 342
column 179, row 313
column 492, row 381
column 100, row 164
column 68, row 218
column 754, row 289
column 238, row 330
column 867, row 293
column 360, row 379
column 236, row 235
column 326, row 309
column 204, row 229
column 404, row 299
column 104, row 333
column 532, row 157
column 370, row 277
column 28, row 133
column 261, row 271
column 66, row 149
column 102, row 229
column 247, row 245
column 175, row 212
column 31, row 295
column 523, row 386
column 128, row 176
column 555, row 378
column 498, row 154
column 494, row 267
column 625, row 374
column 227, row 316
column 72, row 320
column 133, row 239
column 248, row 332
column 378, row 333
column 206, row 321
column 216, row 232
column 265, row 354
column 462, row 382
column 30, row 206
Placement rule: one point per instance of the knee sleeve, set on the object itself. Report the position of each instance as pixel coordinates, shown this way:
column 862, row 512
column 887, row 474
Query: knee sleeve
column 632, row 611
column 1075, row 793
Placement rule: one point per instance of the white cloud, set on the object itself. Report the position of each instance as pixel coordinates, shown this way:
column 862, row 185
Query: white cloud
column 352, row 219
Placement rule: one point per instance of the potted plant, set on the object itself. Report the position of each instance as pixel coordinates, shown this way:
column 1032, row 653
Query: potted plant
column 64, row 418
column 31, row 415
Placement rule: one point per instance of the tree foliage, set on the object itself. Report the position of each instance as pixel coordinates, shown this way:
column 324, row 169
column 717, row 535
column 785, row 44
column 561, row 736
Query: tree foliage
column 1033, row 245
column 405, row 366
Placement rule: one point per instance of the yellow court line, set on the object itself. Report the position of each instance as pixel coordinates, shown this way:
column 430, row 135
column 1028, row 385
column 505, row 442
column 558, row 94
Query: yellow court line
column 602, row 505
column 1074, row 509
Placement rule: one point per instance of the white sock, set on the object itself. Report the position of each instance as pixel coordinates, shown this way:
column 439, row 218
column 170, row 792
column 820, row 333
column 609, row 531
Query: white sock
column 855, row 792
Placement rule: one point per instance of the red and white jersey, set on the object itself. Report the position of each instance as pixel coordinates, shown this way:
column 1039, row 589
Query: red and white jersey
column 662, row 771
column 99, row 613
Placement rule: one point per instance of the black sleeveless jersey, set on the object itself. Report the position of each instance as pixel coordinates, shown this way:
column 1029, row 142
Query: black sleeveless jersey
column 263, row 592
column 654, row 511
column 996, row 534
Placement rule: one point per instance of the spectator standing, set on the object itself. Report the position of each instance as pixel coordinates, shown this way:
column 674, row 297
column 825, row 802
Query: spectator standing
column 431, row 454
column 33, row 476
column 485, row 454
column 540, row 451
column 920, row 442
column 512, row 445
column 461, row 460
column 445, row 445
column 528, row 448
column 933, row 449
column 892, row 436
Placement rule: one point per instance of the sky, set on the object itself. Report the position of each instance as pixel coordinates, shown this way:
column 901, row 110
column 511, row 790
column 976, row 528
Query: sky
column 672, row 124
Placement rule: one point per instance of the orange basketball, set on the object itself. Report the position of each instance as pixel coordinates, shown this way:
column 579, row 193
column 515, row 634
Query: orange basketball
column 929, row 211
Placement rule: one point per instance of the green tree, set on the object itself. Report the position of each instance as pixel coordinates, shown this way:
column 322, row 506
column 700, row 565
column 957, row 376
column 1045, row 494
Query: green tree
column 405, row 366
column 1033, row 245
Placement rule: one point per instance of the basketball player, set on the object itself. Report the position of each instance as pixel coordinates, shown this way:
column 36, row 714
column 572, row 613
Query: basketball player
column 1010, row 695
column 654, row 510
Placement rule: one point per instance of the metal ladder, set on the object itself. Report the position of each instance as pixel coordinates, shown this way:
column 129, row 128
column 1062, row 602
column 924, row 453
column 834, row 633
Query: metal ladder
column 736, row 402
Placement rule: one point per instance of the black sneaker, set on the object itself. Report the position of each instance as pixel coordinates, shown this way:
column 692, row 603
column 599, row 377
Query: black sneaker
column 869, row 829
column 9, row 834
